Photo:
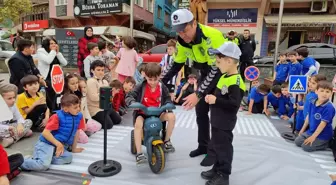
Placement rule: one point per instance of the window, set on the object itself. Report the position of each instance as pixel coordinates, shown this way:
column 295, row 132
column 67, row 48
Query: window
column 61, row 2
column 166, row 20
column 139, row 3
column 160, row 49
column 159, row 12
column 150, row 5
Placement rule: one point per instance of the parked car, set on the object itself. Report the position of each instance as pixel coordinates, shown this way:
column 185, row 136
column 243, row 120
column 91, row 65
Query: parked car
column 155, row 54
column 6, row 49
column 325, row 54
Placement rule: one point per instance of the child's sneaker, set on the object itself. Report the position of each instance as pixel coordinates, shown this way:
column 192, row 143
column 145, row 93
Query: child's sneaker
column 168, row 146
column 140, row 158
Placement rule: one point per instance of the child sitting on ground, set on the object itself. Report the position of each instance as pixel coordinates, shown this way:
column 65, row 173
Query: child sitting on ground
column 151, row 93
column 319, row 119
column 119, row 103
column 286, row 109
column 273, row 98
column 13, row 130
column 281, row 70
column 257, row 99
column 188, row 88
column 32, row 104
column 59, row 138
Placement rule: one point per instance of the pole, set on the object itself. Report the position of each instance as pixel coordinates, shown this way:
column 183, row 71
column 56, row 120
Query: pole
column 132, row 17
column 105, row 137
column 278, row 36
column 295, row 113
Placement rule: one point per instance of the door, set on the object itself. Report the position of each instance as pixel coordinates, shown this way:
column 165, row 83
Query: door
column 294, row 38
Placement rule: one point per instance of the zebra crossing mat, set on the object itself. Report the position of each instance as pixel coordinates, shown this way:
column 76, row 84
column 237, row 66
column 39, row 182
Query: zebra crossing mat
column 261, row 156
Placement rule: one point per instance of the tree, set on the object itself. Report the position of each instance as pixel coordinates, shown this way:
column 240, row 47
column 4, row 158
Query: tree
column 12, row 9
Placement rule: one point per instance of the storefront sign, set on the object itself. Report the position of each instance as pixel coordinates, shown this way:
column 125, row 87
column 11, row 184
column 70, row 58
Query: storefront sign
column 35, row 25
column 114, row 6
column 244, row 17
column 68, row 43
column 316, row 24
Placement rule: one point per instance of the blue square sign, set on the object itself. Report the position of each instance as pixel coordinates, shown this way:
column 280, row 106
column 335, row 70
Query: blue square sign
column 298, row 84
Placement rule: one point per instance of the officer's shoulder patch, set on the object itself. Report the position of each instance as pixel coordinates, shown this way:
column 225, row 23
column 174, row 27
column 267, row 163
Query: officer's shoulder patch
column 224, row 90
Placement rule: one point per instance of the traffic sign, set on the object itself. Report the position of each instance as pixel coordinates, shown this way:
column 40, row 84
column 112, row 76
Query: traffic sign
column 57, row 79
column 251, row 73
column 298, row 84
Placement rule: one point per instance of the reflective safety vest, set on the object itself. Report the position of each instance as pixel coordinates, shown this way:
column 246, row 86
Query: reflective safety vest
column 235, row 40
column 231, row 80
column 210, row 38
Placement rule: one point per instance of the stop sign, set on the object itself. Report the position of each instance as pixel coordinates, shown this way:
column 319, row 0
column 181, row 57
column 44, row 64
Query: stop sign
column 57, row 79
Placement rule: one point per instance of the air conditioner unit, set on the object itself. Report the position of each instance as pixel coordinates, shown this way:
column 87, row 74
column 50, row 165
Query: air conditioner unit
column 319, row 6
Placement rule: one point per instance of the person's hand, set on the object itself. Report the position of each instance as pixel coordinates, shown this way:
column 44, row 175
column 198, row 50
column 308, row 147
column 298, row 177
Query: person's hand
column 53, row 47
column 172, row 97
column 309, row 140
column 284, row 117
column 42, row 82
column 40, row 101
column 77, row 150
column 4, row 180
column 248, row 113
column 190, row 101
column 20, row 129
column 11, row 130
column 210, row 99
column 59, row 149
column 301, row 132
column 177, row 100
column 44, row 122
column 267, row 112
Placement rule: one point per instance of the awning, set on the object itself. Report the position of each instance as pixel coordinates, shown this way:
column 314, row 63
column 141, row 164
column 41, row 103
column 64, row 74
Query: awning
column 124, row 31
column 98, row 30
column 301, row 20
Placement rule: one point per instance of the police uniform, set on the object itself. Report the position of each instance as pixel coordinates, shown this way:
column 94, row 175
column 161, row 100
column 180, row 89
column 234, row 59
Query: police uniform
column 206, row 38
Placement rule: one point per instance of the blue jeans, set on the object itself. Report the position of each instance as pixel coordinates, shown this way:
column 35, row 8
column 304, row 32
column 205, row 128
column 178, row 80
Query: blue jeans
column 44, row 156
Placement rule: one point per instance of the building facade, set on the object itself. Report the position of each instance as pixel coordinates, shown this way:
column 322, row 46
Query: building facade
column 162, row 23
column 303, row 21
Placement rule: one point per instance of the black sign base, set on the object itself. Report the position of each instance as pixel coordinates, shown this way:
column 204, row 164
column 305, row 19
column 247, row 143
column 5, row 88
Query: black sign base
column 289, row 136
column 99, row 169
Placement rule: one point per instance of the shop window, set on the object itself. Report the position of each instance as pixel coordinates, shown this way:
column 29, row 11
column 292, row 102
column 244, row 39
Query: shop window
column 61, row 2
column 167, row 20
column 159, row 12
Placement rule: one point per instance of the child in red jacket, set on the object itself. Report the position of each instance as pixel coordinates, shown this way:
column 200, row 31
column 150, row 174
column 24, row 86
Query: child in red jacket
column 9, row 166
column 4, row 170
column 119, row 99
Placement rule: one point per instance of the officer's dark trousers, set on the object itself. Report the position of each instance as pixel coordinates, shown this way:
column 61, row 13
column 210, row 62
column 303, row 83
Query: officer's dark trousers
column 221, row 141
column 202, row 119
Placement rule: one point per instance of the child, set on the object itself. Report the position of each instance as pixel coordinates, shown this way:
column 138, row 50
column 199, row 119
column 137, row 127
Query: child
column 286, row 109
column 94, row 84
column 151, row 92
column 140, row 72
column 320, row 116
column 224, row 105
column 119, row 103
column 167, row 60
column 273, row 98
column 187, row 89
column 108, row 57
column 281, row 70
column 257, row 99
column 59, row 138
column 128, row 59
column 295, row 68
column 32, row 104
column 94, row 52
column 299, row 115
column 308, row 63
column 13, row 130
column 92, row 126
column 311, row 96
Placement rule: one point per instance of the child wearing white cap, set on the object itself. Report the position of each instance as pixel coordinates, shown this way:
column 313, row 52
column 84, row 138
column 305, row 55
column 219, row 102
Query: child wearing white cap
column 225, row 103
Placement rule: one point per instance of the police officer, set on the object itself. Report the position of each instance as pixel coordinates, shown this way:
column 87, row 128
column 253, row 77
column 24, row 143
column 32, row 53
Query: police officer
column 194, row 40
column 231, row 36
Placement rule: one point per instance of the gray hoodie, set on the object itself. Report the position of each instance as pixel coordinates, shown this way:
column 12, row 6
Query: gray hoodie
column 87, row 62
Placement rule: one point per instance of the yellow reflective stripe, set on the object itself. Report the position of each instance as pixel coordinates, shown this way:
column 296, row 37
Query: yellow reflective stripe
column 232, row 80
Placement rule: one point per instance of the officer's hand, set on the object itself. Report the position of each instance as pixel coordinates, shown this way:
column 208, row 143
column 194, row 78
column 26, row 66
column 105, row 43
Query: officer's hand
column 210, row 99
column 190, row 101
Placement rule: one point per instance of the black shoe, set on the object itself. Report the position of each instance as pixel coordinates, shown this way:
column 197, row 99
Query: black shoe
column 197, row 152
column 208, row 175
column 219, row 179
column 208, row 161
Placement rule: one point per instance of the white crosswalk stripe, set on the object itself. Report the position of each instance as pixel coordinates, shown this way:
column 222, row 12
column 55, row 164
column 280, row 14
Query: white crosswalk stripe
column 256, row 125
column 94, row 150
column 326, row 161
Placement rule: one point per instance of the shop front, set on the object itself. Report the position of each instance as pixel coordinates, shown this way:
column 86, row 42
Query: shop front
column 34, row 30
column 299, row 29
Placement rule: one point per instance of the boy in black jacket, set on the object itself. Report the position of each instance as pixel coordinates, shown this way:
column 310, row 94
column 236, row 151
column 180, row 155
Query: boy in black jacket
column 151, row 93
column 225, row 104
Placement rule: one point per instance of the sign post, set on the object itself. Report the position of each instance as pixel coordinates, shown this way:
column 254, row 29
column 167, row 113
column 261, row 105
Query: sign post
column 298, row 84
column 57, row 79
column 251, row 73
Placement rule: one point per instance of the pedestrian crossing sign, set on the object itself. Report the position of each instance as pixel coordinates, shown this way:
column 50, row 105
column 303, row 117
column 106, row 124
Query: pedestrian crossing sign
column 298, row 84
